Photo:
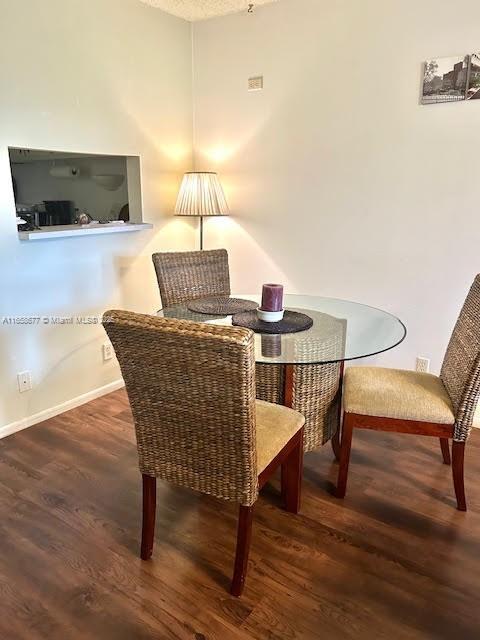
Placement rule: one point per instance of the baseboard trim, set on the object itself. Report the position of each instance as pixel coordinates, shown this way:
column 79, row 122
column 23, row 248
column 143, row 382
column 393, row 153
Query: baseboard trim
column 29, row 421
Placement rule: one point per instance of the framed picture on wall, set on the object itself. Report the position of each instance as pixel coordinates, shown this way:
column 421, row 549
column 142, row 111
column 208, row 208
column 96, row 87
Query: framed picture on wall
column 445, row 80
column 473, row 91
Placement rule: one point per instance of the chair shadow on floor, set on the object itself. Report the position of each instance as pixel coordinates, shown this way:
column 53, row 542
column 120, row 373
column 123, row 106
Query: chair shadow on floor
column 323, row 475
column 180, row 513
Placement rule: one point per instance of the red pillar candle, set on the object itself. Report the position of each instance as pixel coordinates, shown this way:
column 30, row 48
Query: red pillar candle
column 272, row 297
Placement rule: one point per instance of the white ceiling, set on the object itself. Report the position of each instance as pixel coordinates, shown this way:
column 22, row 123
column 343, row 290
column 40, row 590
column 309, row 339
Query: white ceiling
column 193, row 10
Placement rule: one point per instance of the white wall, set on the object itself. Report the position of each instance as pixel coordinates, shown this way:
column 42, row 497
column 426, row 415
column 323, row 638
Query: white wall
column 340, row 182
column 113, row 77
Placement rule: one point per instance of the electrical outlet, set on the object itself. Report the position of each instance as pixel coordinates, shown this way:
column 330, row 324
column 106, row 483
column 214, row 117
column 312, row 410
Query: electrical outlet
column 423, row 365
column 107, row 351
column 24, row 380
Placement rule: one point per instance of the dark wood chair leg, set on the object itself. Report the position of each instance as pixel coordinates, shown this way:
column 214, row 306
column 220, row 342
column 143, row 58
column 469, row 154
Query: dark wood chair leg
column 149, row 508
column 336, row 437
column 283, row 482
column 445, row 446
column 292, row 471
column 244, row 536
column 346, row 446
column 458, row 465
column 288, row 381
column 336, row 445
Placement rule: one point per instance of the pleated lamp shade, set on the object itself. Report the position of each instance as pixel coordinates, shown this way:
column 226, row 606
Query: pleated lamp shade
column 201, row 194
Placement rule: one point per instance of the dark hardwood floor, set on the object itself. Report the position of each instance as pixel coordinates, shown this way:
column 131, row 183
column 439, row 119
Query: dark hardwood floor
column 394, row 560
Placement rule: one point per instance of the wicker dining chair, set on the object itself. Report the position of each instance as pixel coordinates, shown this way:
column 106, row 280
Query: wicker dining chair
column 188, row 275
column 191, row 389
column 420, row 403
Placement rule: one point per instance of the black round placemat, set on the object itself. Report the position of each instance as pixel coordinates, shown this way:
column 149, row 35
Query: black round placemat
column 292, row 322
column 221, row 305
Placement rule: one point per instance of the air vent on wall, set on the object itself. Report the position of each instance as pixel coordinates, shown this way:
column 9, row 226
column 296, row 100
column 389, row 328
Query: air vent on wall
column 255, row 84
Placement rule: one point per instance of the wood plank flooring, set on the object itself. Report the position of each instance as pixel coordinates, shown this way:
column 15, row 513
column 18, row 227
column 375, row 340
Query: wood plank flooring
column 394, row 561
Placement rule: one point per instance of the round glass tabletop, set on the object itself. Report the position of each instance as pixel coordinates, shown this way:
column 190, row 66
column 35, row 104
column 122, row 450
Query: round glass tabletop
column 341, row 330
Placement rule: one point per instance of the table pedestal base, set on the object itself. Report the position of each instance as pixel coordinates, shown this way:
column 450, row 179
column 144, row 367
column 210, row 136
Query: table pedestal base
column 312, row 389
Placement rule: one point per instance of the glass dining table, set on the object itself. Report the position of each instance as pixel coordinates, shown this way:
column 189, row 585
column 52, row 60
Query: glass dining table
column 309, row 364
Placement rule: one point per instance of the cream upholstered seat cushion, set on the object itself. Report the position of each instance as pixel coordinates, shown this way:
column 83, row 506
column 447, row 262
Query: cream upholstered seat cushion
column 476, row 417
column 396, row 393
column 276, row 425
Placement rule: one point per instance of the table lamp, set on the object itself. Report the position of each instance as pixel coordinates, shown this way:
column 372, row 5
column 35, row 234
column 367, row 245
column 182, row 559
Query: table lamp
column 201, row 195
